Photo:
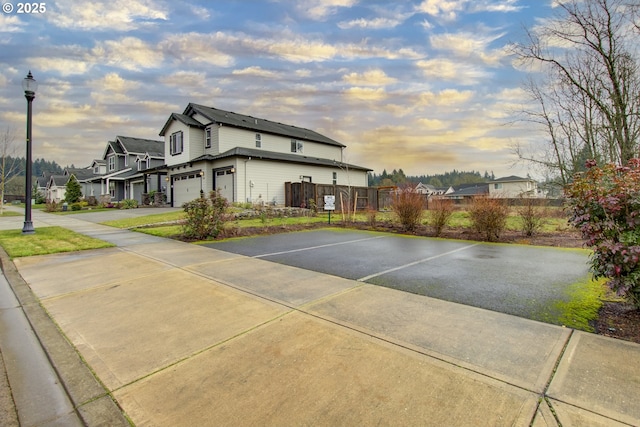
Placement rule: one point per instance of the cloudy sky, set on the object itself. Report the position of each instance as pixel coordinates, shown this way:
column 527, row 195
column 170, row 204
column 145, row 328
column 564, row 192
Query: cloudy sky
column 426, row 86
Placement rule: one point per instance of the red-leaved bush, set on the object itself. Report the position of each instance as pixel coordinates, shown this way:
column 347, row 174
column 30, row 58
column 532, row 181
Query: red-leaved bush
column 604, row 204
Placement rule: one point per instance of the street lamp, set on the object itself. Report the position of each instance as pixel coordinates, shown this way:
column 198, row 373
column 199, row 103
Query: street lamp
column 29, row 85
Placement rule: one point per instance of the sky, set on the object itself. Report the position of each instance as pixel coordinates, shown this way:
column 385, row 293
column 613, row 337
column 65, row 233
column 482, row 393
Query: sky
column 426, row 86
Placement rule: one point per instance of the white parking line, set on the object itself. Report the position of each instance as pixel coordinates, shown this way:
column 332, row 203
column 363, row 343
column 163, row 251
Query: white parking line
column 371, row 276
column 318, row 247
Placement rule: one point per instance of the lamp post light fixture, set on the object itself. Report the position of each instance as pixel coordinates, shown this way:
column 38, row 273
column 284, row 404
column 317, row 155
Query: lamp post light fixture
column 30, row 86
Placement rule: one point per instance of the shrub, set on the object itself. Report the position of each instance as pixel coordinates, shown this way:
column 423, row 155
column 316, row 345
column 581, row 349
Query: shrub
column 91, row 201
column 604, row 204
column 129, row 204
column 372, row 217
column 205, row 216
column 488, row 217
column 76, row 206
column 51, row 207
column 532, row 215
column 439, row 214
column 408, row 205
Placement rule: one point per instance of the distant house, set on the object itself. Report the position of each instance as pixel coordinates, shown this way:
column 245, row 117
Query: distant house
column 248, row 159
column 513, row 187
column 127, row 170
column 467, row 191
column 429, row 190
column 56, row 188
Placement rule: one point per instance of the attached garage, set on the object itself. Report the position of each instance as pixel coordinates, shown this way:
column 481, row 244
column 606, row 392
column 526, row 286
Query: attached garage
column 224, row 183
column 186, row 188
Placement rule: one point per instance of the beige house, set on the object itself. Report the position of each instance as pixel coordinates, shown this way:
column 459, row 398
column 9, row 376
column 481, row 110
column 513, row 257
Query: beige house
column 513, row 187
column 248, row 159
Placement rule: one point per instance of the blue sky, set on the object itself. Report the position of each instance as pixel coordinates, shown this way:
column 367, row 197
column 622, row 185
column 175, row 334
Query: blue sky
column 426, row 86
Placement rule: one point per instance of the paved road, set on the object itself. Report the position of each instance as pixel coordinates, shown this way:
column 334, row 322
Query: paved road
column 527, row 281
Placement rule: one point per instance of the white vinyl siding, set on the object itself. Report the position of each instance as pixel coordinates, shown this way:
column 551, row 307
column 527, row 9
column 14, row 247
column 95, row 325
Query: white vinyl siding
column 233, row 137
column 172, row 159
column 268, row 178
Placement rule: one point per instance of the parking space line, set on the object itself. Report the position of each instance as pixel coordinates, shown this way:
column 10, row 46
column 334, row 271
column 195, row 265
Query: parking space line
column 318, row 247
column 390, row 270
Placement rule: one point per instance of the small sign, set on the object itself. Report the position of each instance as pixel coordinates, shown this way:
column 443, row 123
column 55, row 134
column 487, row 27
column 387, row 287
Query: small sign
column 330, row 203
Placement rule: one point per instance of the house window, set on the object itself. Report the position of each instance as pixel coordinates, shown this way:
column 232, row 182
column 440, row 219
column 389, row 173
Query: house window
column 497, row 186
column 112, row 189
column 296, row 146
column 112, row 163
column 126, row 161
column 142, row 165
column 175, row 143
column 258, row 140
column 207, row 138
column 335, row 178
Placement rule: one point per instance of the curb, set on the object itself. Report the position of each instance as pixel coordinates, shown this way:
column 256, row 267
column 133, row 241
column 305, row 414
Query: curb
column 92, row 402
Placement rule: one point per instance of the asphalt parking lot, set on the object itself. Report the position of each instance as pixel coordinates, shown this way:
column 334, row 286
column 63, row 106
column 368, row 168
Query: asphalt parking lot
column 527, row 281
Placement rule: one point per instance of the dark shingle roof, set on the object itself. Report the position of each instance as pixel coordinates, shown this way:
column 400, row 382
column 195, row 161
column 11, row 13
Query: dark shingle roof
column 181, row 118
column 511, row 179
column 80, row 174
column 258, row 125
column 142, row 146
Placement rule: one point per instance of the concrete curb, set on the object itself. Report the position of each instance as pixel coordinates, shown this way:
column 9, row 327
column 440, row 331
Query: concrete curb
column 92, row 402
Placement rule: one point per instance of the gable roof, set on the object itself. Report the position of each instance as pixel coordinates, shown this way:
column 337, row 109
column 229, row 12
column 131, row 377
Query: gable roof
column 512, row 178
column 133, row 145
column 242, row 121
column 187, row 120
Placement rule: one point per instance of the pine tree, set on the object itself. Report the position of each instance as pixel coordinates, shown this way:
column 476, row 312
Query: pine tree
column 74, row 191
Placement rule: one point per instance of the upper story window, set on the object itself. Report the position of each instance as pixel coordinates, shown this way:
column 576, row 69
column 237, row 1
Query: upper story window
column 258, row 140
column 126, row 161
column 296, row 146
column 175, row 143
column 142, row 165
column 207, row 138
column 335, row 178
column 112, row 163
column 497, row 186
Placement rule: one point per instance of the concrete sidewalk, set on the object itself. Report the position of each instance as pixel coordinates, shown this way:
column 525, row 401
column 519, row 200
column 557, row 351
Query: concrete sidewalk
column 178, row 334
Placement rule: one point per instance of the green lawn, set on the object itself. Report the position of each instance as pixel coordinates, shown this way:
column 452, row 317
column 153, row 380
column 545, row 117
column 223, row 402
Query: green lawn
column 47, row 240
column 11, row 213
column 146, row 220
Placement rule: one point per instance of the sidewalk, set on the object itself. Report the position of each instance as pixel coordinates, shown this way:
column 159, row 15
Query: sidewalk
column 179, row 334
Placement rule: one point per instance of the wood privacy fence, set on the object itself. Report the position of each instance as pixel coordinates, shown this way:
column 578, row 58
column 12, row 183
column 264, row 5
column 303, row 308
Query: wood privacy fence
column 300, row 194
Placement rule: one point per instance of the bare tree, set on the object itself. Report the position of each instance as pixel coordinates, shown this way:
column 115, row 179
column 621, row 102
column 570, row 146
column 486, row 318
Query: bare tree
column 9, row 162
column 589, row 100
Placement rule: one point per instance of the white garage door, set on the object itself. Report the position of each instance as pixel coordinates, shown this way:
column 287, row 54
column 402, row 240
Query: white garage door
column 185, row 189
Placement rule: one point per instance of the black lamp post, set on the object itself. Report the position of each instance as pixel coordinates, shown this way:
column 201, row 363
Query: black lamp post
column 29, row 85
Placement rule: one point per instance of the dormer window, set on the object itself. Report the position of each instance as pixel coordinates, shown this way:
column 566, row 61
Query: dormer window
column 296, row 146
column 112, row 163
column 207, row 137
column 142, row 165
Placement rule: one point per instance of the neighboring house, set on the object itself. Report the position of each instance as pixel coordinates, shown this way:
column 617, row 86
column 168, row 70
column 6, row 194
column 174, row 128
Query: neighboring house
column 128, row 169
column 56, row 188
column 513, row 187
column 467, row 191
column 86, row 178
column 429, row 190
column 247, row 158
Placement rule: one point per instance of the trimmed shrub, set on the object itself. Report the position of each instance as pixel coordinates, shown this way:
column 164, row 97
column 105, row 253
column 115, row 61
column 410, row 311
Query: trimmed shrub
column 604, row 204
column 439, row 214
column 76, row 206
column 489, row 217
column 408, row 205
column 205, row 216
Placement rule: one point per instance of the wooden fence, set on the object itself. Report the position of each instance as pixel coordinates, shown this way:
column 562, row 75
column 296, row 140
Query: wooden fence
column 300, row 194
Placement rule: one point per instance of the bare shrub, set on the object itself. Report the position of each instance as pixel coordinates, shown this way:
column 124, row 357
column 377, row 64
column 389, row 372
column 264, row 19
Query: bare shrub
column 439, row 214
column 489, row 217
column 533, row 215
column 205, row 217
column 372, row 217
column 408, row 205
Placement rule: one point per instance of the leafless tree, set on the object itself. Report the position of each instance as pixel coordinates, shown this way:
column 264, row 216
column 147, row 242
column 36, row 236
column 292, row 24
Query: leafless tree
column 588, row 89
column 9, row 162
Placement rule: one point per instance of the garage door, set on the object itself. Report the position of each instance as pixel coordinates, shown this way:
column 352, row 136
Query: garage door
column 185, row 189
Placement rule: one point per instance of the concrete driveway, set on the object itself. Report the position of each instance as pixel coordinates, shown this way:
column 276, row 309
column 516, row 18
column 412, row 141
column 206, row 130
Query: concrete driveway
column 527, row 281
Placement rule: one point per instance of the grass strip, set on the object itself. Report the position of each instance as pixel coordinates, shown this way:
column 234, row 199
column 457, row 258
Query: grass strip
column 47, row 240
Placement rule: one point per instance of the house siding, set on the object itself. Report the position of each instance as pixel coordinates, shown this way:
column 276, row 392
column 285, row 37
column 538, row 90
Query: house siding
column 233, row 137
column 185, row 156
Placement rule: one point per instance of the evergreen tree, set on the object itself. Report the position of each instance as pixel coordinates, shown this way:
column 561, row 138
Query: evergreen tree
column 74, row 191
